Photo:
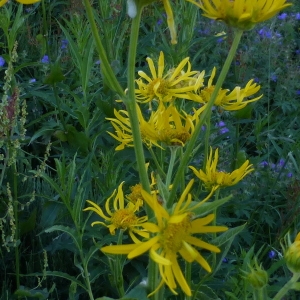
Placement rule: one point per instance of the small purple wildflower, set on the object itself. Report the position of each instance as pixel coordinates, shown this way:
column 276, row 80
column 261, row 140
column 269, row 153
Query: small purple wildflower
column 289, row 175
column 64, row 44
column 265, row 33
column 273, row 77
column 272, row 254
column 256, row 79
column 282, row 16
column 223, row 130
column 45, row 59
column 297, row 51
column 203, row 128
column 2, row 61
column 32, row 80
column 221, row 124
column 225, row 260
column 264, row 164
column 281, row 163
column 297, row 16
column 298, row 92
column 97, row 62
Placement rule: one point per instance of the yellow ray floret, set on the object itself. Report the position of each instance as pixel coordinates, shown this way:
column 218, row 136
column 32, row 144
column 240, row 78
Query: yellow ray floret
column 173, row 234
column 119, row 216
column 167, row 86
column 164, row 126
column 243, row 14
column 228, row 100
column 212, row 178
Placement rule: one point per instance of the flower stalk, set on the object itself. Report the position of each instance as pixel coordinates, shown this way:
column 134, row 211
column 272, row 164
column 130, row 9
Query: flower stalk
column 203, row 117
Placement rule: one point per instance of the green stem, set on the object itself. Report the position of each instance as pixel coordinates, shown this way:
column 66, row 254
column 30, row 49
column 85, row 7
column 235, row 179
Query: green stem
column 106, row 68
column 131, row 106
column 188, row 276
column 16, row 215
column 45, row 28
column 203, row 117
column 206, row 140
column 157, row 164
column 288, row 286
column 173, row 150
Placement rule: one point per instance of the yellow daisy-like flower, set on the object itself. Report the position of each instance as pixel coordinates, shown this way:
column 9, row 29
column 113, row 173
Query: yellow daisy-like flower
column 121, row 217
column 173, row 234
column 215, row 179
column 167, row 86
column 165, row 125
column 228, row 100
column 243, row 14
column 2, row 2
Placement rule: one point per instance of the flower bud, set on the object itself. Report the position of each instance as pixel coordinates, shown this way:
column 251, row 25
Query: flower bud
column 258, row 277
column 292, row 255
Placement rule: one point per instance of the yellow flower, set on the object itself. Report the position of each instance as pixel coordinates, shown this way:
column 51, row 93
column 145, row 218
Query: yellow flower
column 292, row 255
column 121, row 217
column 173, row 234
column 215, row 179
column 243, row 14
column 165, row 125
column 166, row 87
column 2, row 2
column 234, row 100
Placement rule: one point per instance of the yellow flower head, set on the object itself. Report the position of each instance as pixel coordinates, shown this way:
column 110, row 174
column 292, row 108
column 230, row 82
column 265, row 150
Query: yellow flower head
column 242, row 14
column 165, row 125
column 173, row 234
column 292, row 255
column 166, row 86
column 215, row 179
column 228, row 100
column 2, row 2
column 121, row 217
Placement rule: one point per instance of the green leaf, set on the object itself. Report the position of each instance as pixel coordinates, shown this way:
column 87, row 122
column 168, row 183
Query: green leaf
column 206, row 293
column 296, row 286
column 29, row 224
column 228, row 235
column 71, row 232
column 26, row 292
column 55, row 75
column 139, row 293
column 208, row 207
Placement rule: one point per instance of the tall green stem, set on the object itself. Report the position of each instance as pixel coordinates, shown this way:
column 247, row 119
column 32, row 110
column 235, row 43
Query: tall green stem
column 288, row 286
column 16, row 215
column 130, row 103
column 203, row 117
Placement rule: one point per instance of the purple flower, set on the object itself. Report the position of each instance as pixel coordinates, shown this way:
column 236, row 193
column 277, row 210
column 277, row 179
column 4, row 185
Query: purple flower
column 272, row 254
column 265, row 33
column 32, row 80
column 297, row 16
column 225, row 260
column 97, row 62
column 282, row 16
column 273, row 77
column 159, row 22
column 281, row 163
column 289, row 175
column 223, row 130
column 45, row 59
column 2, row 61
column 264, row 164
column 298, row 92
column 64, row 44
column 220, row 124
column 256, row 79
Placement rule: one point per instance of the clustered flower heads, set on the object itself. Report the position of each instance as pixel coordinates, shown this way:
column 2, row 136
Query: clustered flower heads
column 168, row 124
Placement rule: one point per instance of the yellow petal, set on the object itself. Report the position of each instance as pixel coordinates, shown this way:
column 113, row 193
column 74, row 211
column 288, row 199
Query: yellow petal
column 143, row 247
column 119, row 249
